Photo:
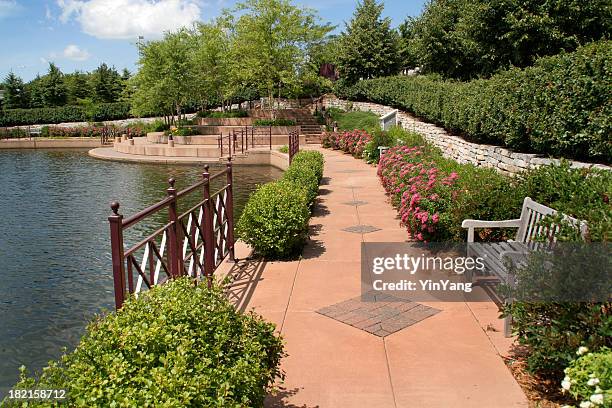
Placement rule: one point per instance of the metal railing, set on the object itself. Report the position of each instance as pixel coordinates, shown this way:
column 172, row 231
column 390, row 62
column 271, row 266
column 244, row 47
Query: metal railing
column 190, row 244
column 294, row 144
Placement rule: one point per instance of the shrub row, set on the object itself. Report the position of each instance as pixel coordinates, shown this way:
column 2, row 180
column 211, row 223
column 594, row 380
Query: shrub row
column 178, row 345
column 100, row 112
column 274, row 122
column 274, row 221
column 561, row 106
column 90, row 131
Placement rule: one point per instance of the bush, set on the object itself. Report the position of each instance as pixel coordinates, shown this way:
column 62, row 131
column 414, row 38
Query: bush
column 274, row 122
column 561, row 106
column 223, row 114
column 182, row 131
column 306, row 170
column 366, row 121
column 100, row 112
column 371, row 153
column 284, row 149
column 158, row 126
column 178, row 345
column 589, row 377
column 274, row 221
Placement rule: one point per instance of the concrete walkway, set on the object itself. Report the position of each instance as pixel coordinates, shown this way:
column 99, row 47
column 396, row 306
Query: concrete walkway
column 451, row 359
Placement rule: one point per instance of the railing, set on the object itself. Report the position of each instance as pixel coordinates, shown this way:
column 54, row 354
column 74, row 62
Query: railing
column 19, row 132
column 294, row 144
column 193, row 243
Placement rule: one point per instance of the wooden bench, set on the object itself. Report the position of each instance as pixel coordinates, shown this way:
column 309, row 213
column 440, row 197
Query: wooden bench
column 494, row 254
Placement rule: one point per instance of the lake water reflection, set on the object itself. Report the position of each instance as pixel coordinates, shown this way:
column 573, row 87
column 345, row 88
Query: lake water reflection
column 55, row 269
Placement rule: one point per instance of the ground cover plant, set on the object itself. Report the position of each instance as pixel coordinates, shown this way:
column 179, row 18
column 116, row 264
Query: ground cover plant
column 353, row 119
column 223, row 114
column 179, row 344
column 274, row 221
column 274, row 122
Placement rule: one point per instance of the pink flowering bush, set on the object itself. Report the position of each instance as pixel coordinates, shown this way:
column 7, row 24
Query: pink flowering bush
column 353, row 141
column 420, row 190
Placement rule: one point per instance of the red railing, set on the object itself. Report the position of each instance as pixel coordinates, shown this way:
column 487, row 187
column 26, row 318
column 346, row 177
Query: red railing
column 294, row 144
column 193, row 243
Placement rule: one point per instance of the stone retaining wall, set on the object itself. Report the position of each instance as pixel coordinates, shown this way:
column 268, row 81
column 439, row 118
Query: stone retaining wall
column 502, row 159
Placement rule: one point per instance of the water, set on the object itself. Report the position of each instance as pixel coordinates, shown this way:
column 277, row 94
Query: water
column 55, row 265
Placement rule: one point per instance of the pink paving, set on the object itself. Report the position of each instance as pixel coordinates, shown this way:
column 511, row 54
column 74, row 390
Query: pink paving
column 450, row 359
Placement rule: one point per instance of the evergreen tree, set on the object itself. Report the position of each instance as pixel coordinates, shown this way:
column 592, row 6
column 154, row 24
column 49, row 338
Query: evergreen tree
column 54, row 90
column 35, row 93
column 78, row 86
column 15, row 95
column 106, row 84
column 369, row 48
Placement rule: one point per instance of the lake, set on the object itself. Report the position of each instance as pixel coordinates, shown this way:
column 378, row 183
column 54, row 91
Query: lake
column 55, row 265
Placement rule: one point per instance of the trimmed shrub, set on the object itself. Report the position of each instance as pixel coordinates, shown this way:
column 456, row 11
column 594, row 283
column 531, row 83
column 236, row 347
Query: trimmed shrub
column 274, row 122
column 561, row 106
column 100, row 112
column 223, row 114
column 274, row 221
column 589, row 377
column 178, row 345
column 306, row 170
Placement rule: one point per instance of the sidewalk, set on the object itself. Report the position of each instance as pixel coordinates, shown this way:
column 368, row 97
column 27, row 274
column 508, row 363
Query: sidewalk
column 449, row 359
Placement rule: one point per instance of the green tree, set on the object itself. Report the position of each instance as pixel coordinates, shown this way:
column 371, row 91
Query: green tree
column 369, row 48
column 15, row 94
column 270, row 40
column 35, row 92
column 165, row 80
column 53, row 88
column 78, row 86
column 107, row 84
column 465, row 39
column 211, row 64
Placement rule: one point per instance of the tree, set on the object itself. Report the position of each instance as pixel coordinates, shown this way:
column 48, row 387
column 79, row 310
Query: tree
column 106, row 84
column 15, row 95
column 466, row 39
column 53, row 88
column 270, row 40
column 211, row 64
column 369, row 48
column 78, row 86
column 165, row 80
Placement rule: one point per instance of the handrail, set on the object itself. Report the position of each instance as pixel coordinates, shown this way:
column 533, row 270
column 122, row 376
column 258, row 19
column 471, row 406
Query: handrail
column 204, row 232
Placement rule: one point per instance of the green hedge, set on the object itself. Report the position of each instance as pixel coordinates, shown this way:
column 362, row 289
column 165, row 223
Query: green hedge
column 103, row 111
column 176, row 346
column 561, row 106
column 274, row 122
column 274, row 221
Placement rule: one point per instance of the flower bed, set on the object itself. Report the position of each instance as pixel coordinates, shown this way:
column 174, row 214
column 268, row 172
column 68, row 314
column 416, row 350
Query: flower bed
column 89, row 131
column 353, row 142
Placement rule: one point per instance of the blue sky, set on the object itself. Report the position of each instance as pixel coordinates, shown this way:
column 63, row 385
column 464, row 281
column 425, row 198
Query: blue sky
column 81, row 34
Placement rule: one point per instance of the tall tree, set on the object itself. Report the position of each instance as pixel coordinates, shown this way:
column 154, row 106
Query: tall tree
column 106, row 83
column 466, row 39
column 78, row 86
column 15, row 95
column 53, row 88
column 369, row 48
column 165, row 80
column 271, row 37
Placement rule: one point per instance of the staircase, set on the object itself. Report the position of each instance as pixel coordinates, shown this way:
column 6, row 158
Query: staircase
column 308, row 123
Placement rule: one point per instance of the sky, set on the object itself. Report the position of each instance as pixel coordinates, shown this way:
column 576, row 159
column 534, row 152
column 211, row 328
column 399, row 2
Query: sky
column 81, row 34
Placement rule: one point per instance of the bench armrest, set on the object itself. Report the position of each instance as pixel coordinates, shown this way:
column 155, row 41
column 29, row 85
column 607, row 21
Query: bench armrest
column 472, row 224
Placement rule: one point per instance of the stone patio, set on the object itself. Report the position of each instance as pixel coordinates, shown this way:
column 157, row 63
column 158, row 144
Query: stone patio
column 431, row 355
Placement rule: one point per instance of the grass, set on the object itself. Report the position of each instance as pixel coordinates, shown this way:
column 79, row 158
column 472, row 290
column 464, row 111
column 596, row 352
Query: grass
column 355, row 120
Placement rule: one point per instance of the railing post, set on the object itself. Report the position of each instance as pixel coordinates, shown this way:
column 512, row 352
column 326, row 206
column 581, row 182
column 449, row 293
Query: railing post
column 116, row 232
column 174, row 234
column 229, row 207
column 209, row 236
column 270, row 137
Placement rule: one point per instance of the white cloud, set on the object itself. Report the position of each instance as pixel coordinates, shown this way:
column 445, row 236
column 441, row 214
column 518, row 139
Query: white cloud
column 73, row 52
column 127, row 19
column 8, row 8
